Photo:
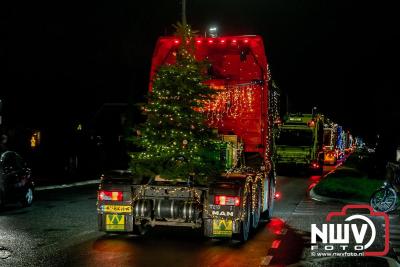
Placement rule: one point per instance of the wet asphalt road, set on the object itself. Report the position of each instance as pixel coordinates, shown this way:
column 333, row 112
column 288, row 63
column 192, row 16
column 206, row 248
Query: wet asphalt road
column 60, row 229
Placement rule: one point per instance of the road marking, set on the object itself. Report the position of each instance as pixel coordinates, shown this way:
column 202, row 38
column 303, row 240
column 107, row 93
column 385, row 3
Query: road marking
column 394, row 231
column 395, row 243
column 276, row 243
column 4, row 253
column 266, row 260
column 393, row 226
column 302, row 213
column 394, row 237
column 50, row 187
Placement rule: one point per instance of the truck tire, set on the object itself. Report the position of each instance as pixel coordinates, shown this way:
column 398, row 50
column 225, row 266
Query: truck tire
column 267, row 215
column 139, row 230
column 243, row 235
column 256, row 212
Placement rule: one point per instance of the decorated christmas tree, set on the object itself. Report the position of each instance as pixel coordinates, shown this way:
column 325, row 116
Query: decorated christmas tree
column 175, row 140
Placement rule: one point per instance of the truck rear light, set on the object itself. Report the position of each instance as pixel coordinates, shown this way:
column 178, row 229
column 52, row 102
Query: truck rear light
column 227, row 201
column 315, row 165
column 110, row 195
column 311, row 123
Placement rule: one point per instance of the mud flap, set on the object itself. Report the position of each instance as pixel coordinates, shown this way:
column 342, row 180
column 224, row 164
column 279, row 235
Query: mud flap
column 110, row 222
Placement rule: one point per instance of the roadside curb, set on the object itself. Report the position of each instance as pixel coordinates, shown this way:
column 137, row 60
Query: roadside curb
column 50, row 187
column 316, row 197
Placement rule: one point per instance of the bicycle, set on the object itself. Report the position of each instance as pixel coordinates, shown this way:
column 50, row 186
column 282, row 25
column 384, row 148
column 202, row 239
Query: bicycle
column 386, row 198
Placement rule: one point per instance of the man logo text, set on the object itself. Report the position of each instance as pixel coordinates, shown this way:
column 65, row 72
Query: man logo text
column 222, row 213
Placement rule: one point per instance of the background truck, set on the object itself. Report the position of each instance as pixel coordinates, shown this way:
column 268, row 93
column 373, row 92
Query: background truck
column 299, row 142
column 233, row 203
column 331, row 153
column 340, row 142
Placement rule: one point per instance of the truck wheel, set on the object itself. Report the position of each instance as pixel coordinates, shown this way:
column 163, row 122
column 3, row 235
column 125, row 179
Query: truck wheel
column 256, row 213
column 267, row 215
column 140, row 229
column 27, row 199
column 243, row 235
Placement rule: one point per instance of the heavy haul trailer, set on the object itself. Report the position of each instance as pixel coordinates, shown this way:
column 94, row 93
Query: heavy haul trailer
column 233, row 203
column 299, row 142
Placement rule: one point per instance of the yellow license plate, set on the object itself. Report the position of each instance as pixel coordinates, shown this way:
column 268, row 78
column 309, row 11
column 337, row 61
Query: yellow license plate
column 222, row 227
column 115, row 222
column 117, row 209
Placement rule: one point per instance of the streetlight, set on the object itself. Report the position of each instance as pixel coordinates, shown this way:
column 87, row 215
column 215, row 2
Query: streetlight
column 213, row 31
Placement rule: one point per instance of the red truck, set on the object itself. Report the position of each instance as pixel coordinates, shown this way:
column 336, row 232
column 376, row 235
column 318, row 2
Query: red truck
column 235, row 202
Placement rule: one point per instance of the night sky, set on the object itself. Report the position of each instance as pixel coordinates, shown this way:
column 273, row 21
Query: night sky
column 66, row 58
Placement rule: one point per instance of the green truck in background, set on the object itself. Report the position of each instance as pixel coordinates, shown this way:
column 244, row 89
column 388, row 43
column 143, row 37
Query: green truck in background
column 300, row 142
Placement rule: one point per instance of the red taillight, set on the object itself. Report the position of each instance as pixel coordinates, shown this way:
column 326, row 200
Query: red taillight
column 110, row 195
column 277, row 195
column 227, row 201
column 315, row 165
column 176, row 41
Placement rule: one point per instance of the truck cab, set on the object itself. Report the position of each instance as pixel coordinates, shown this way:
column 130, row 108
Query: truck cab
column 299, row 142
column 233, row 203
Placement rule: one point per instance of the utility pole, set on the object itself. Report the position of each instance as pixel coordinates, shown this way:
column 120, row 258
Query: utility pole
column 184, row 12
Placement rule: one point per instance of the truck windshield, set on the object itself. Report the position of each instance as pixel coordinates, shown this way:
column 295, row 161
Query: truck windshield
column 327, row 137
column 290, row 137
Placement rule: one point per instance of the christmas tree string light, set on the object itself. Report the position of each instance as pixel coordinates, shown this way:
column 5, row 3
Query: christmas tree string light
column 175, row 141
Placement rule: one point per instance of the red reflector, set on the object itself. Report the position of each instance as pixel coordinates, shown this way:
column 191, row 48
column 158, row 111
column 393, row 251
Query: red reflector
column 110, row 195
column 227, row 201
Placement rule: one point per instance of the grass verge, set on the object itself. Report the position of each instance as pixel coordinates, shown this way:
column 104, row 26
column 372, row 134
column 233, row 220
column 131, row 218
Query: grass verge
column 348, row 182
